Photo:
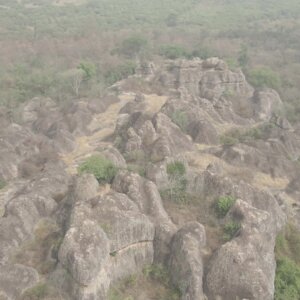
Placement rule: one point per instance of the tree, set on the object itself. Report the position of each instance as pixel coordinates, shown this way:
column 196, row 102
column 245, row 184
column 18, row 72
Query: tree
column 74, row 79
column 243, row 56
column 173, row 52
column 264, row 77
column 133, row 46
column 172, row 20
column 88, row 68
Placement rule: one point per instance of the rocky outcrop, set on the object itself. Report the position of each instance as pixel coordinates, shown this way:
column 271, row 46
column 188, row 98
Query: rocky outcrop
column 146, row 196
column 266, row 103
column 93, row 236
column 244, row 268
column 15, row 279
column 185, row 264
column 211, row 185
column 108, row 239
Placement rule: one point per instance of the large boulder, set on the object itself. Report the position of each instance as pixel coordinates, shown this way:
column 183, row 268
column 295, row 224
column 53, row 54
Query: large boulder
column 145, row 195
column 84, row 251
column 108, row 238
column 185, row 264
column 244, row 268
column 266, row 102
column 15, row 279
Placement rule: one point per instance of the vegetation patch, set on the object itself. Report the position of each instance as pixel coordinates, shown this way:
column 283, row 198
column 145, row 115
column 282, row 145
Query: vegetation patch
column 173, row 51
column 223, row 205
column 37, row 292
column 231, row 229
column 119, row 72
column 41, row 252
column 177, row 183
column 176, row 169
column 236, row 136
column 154, row 281
column 136, row 168
column 102, row 168
column 264, row 77
column 180, row 119
column 287, row 281
column 2, row 184
column 132, row 46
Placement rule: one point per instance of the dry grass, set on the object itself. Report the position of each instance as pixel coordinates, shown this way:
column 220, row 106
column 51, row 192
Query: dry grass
column 102, row 126
column 263, row 181
column 36, row 253
column 154, row 103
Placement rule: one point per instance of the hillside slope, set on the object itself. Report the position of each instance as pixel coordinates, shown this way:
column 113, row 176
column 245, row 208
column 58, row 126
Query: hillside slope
column 204, row 177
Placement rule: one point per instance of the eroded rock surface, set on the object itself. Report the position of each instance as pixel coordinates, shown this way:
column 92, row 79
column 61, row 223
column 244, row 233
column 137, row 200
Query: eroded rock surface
column 80, row 237
column 244, row 268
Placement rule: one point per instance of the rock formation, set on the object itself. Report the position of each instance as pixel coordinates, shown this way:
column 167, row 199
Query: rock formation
column 81, row 237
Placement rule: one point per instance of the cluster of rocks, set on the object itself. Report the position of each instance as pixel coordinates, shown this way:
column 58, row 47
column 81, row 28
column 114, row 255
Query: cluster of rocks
column 95, row 236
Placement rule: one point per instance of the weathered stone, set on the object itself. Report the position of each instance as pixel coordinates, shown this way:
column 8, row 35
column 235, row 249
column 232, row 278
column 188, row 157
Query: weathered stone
column 15, row 279
column 245, row 266
column 266, row 103
column 84, row 251
column 185, row 263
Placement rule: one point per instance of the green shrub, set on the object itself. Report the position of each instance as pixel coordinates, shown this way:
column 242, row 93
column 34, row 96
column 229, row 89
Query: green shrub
column 288, row 243
column 100, row 167
column 180, row 119
column 176, row 169
column 223, row 205
column 264, row 77
column 241, row 136
column 172, row 20
column 120, row 72
column 287, row 281
column 2, row 184
column 157, row 272
column 160, row 274
column 203, row 53
column 173, row 52
column 37, row 292
column 232, row 63
column 230, row 230
column 137, row 168
column 88, row 68
column 133, row 46
column 243, row 56
column 176, row 190
column 135, row 156
column 228, row 140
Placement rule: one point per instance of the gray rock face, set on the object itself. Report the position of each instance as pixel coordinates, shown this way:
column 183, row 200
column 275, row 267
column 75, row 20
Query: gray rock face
column 186, row 266
column 146, row 196
column 16, row 144
column 15, row 279
column 266, row 103
column 271, row 156
column 245, row 266
column 103, row 234
column 147, row 133
column 115, row 157
column 211, row 186
column 84, row 251
column 176, row 141
column 109, row 238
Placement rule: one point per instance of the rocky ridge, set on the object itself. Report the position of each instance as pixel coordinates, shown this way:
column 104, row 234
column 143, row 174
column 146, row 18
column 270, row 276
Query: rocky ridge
column 80, row 237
